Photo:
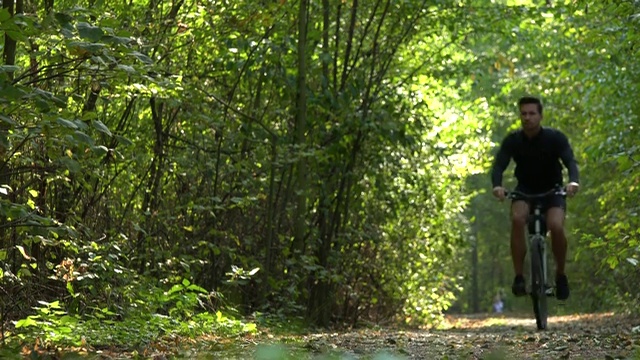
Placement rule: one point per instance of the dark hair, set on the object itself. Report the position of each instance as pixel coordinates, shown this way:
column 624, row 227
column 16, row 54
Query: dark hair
column 530, row 100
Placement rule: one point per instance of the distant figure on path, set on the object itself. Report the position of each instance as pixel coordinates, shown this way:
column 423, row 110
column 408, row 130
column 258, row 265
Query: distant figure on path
column 498, row 304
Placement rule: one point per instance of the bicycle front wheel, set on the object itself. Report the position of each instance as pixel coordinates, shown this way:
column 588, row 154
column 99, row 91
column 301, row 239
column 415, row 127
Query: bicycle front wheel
column 538, row 288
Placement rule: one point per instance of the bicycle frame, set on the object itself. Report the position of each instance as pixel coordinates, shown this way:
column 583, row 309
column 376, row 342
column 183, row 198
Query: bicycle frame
column 537, row 234
column 537, row 238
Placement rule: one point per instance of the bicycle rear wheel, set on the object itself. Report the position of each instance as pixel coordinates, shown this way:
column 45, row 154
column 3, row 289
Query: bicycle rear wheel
column 538, row 288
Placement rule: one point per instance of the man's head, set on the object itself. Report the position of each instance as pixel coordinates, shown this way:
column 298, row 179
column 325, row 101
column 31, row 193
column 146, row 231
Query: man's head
column 530, row 113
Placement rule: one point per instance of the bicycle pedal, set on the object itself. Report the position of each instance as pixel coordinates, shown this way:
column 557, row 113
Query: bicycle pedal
column 550, row 293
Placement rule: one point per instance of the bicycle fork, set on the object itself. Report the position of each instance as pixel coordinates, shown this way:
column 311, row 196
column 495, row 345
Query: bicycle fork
column 548, row 289
column 540, row 243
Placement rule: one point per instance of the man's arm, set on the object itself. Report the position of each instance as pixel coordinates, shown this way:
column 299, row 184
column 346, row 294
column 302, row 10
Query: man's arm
column 501, row 161
column 568, row 159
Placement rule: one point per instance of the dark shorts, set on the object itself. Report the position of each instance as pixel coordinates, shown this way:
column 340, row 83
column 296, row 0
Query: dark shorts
column 547, row 202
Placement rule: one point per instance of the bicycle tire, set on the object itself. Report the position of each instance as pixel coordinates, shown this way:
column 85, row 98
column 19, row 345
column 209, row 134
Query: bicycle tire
column 538, row 288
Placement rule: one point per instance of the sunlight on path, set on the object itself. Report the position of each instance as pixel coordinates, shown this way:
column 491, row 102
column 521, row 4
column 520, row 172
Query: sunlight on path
column 517, row 320
column 589, row 336
column 584, row 336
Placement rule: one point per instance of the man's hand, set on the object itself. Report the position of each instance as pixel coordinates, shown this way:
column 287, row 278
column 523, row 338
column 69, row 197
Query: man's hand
column 572, row 189
column 500, row 192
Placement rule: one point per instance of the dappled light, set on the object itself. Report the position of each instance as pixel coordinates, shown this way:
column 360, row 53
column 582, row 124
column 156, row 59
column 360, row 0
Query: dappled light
column 290, row 179
column 485, row 321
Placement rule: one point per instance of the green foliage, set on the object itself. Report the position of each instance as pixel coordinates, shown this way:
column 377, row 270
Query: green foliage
column 588, row 97
column 133, row 327
column 52, row 323
column 145, row 145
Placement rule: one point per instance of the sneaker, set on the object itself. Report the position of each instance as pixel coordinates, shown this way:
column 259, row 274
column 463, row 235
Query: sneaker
column 562, row 287
column 519, row 288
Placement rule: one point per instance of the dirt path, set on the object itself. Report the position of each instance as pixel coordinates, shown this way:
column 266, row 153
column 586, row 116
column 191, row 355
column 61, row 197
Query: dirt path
column 603, row 336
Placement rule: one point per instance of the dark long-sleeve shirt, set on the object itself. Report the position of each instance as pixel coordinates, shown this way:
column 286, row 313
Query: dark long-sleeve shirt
column 538, row 166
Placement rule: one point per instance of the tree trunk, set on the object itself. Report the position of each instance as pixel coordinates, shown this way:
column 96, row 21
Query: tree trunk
column 9, row 58
column 475, row 295
column 153, row 193
column 301, row 129
column 9, row 54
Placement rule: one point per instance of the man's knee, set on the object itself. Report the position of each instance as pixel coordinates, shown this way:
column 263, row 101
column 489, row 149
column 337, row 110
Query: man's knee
column 555, row 220
column 519, row 214
column 555, row 227
column 519, row 220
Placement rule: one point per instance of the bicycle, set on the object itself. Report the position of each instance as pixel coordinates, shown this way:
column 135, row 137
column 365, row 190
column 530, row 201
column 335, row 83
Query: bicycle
column 541, row 289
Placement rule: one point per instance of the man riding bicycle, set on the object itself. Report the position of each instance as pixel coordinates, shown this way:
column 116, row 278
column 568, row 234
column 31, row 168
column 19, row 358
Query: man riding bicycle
column 537, row 152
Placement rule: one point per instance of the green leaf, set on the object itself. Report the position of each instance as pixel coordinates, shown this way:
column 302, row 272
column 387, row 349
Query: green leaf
column 26, row 322
column 81, row 124
column 16, row 212
column 80, row 47
column 105, row 310
column 63, row 19
column 64, row 330
column 175, row 288
column 24, row 272
column 84, row 138
column 10, row 92
column 9, row 68
column 624, row 163
column 70, row 289
column 71, row 164
column 100, row 126
column 89, row 32
column 54, row 304
column 4, row 14
column 67, row 32
column 121, row 40
column 42, row 105
column 194, row 287
column 123, row 140
column 67, row 123
column 100, row 150
column 16, row 35
column 142, row 57
column 128, row 69
column 7, row 120
column 45, row 97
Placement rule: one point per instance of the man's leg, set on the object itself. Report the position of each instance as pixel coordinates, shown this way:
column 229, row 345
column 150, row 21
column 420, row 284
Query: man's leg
column 555, row 223
column 519, row 215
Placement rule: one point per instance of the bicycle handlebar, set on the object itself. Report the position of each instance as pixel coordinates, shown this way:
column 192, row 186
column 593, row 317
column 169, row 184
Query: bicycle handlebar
column 514, row 194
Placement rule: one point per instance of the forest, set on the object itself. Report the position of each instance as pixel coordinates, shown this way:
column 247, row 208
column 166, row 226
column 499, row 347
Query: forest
column 197, row 167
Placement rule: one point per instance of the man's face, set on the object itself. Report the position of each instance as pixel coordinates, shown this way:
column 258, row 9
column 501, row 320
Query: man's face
column 530, row 116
